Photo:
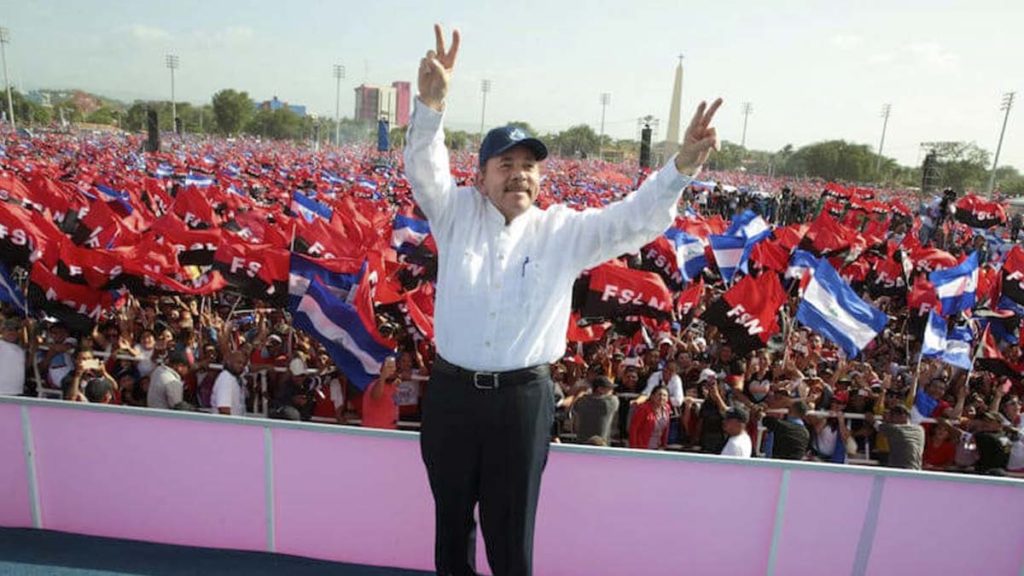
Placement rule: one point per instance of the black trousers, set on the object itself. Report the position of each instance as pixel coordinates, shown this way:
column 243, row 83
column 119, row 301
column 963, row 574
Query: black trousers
column 487, row 447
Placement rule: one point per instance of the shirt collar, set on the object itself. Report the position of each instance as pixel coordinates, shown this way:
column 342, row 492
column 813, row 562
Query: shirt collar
column 495, row 217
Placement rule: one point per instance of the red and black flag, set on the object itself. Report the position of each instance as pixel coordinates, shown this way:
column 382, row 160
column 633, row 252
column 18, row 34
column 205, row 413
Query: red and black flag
column 747, row 313
column 24, row 235
column 1013, row 275
column 193, row 247
column 887, row 279
column 826, row 237
column 990, row 358
column 76, row 305
column 660, row 257
column 258, row 271
column 977, row 212
column 617, row 292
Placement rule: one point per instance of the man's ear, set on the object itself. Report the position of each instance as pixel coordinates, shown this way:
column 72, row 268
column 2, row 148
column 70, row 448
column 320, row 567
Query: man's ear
column 478, row 179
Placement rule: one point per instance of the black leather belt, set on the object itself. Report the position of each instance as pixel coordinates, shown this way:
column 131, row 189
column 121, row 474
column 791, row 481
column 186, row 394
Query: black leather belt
column 483, row 380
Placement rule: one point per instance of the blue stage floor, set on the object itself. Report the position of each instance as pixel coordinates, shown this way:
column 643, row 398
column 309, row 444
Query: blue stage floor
column 43, row 552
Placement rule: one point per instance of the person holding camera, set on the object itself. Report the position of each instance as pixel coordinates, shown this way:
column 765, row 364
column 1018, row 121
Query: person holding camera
column 87, row 368
column 379, row 407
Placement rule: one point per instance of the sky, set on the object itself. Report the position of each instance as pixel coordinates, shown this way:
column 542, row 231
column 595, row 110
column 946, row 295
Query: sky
column 811, row 70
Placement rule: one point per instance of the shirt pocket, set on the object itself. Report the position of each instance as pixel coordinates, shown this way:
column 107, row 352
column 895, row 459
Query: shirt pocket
column 531, row 285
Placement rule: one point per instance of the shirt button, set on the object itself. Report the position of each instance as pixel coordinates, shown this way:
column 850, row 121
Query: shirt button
column 487, row 343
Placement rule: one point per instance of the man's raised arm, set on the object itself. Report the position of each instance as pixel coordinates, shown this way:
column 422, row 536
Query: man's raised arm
column 426, row 158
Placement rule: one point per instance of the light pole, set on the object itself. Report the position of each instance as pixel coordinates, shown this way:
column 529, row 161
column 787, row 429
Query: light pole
column 485, row 87
column 4, row 39
column 1006, row 105
column 339, row 73
column 885, row 123
column 172, row 65
column 747, row 109
column 606, row 99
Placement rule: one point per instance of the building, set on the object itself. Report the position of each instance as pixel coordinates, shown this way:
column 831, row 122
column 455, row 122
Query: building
column 275, row 104
column 393, row 103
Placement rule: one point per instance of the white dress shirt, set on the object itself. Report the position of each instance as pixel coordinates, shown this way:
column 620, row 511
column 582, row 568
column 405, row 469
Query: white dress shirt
column 675, row 387
column 740, row 446
column 504, row 291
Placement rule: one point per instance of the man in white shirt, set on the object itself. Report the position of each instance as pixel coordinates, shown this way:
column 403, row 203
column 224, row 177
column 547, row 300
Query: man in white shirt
column 227, row 395
column 505, row 276
column 166, row 387
column 668, row 378
column 12, row 359
column 734, row 424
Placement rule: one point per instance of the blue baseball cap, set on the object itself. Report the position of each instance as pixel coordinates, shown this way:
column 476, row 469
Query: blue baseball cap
column 499, row 140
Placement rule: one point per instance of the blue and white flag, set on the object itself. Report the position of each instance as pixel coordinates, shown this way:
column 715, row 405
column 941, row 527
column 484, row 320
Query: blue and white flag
column 9, row 291
column 748, row 225
column 309, row 208
column 934, row 342
column 958, row 347
column 690, row 257
column 164, row 171
column 408, row 232
column 303, row 271
column 956, row 286
column 198, row 180
column 831, row 308
column 800, row 263
column 337, row 326
column 728, row 251
column 122, row 198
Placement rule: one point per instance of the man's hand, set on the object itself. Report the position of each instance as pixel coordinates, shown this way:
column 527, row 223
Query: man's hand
column 436, row 70
column 698, row 141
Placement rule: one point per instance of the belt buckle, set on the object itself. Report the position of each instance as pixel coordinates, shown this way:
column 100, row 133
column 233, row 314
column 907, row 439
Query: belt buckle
column 492, row 376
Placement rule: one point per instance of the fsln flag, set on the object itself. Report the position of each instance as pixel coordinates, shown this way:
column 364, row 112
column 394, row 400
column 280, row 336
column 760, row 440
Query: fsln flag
column 831, row 308
column 956, row 287
column 337, row 325
column 746, row 313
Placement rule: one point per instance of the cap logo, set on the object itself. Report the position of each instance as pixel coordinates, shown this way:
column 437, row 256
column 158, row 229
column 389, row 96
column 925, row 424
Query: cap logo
column 516, row 134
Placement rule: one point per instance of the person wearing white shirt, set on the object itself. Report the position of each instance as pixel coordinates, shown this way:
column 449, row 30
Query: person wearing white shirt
column 12, row 358
column 668, row 378
column 505, row 274
column 227, row 397
column 734, row 423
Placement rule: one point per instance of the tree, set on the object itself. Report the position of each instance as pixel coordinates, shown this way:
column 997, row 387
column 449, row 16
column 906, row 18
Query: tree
column 102, row 115
column 524, row 126
column 833, row 160
column 962, row 165
column 579, row 140
column 456, row 139
column 280, row 124
column 231, row 110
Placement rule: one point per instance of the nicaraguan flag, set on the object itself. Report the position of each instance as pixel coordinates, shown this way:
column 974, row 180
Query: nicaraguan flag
column 728, row 251
column 301, row 273
column 924, row 406
column 164, row 171
column 9, row 291
column 749, row 247
column 690, row 257
column 958, row 347
column 310, row 208
column 956, row 286
column 831, row 308
column 800, row 263
column 934, row 343
column 332, row 179
column 748, row 225
column 408, row 232
column 198, row 180
column 336, row 325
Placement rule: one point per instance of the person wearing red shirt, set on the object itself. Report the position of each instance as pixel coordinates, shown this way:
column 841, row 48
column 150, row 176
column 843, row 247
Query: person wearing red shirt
column 940, row 450
column 649, row 426
column 379, row 408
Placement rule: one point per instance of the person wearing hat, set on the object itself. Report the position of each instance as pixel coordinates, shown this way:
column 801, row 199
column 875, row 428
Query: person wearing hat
column 292, row 400
column 12, row 358
column 734, row 423
column 505, row 275
column 594, row 412
column 166, row 383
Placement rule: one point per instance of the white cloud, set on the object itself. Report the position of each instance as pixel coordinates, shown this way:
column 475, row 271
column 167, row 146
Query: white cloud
column 933, row 55
column 846, row 41
column 148, row 33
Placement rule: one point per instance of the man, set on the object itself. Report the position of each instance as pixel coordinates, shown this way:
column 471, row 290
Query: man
column 166, row 384
column 595, row 411
column 906, row 440
column 12, row 359
column 790, row 438
column 505, row 275
column 735, row 426
column 292, row 400
column 227, row 395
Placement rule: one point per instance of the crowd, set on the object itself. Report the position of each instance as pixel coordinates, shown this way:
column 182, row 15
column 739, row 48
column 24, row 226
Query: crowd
column 186, row 327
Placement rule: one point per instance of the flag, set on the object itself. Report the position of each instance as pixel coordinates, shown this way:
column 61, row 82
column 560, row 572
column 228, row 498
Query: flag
column 198, row 180
column 1013, row 275
column 408, row 232
column 800, row 263
column 921, row 298
column 831, row 308
column 337, row 325
column 747, row 225
column 825, row 236
column 309, row 208
column 977, row 212
column 991, row 359
column 617, row 292
column 659, row 256
column 337, row 276
column 259, row 271
column 934, row 342
column 9, row 291
column 690, row 298
column 689, row 250
column 78, row 306
column 958, row 347
column 746, row 313
column 956, row 287
column 728, row 251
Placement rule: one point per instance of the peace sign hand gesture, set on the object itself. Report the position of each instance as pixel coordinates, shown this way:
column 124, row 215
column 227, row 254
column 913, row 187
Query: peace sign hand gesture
column 436, row 70
column 699, row 139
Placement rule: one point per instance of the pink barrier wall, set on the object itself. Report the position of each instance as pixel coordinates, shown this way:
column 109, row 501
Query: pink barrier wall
column 361, row 496
column 15, row 506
